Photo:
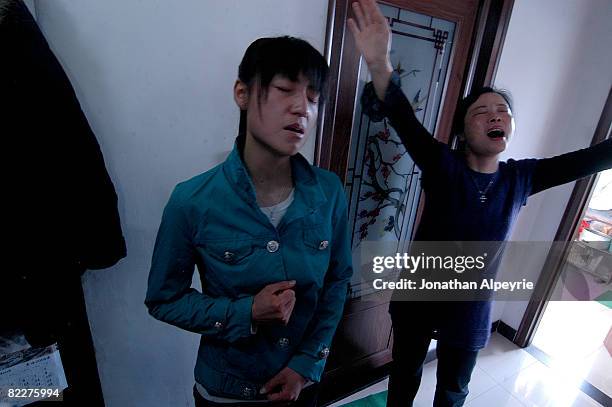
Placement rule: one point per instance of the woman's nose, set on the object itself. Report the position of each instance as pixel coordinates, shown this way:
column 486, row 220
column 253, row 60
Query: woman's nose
column 495, row 118
column 300, row 105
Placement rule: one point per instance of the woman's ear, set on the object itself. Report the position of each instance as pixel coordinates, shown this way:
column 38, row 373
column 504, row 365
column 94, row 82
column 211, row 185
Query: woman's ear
column 241, row 94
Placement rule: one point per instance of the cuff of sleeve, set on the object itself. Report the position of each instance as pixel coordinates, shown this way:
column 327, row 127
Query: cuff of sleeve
column 373, row 107
column 395, row 86
column 309, row 367
column 239, row 321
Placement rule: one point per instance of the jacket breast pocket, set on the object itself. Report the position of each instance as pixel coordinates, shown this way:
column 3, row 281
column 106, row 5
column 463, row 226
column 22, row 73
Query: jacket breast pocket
column 317, row 238
column 229, row 252
column 318, row 244
column 229, row 265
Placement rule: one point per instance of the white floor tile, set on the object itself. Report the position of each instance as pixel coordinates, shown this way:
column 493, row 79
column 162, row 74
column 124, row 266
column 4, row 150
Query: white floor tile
column 496, row 396
column 572, row 333
column 480, row 383
column 582, row 400
column 502, row 359
column 538, row 385
column 598, row 370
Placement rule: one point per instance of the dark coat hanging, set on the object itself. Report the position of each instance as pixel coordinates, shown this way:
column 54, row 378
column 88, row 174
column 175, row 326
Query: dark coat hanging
column 60, row 215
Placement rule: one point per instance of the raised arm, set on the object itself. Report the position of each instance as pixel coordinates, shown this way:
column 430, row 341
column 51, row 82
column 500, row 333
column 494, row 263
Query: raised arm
column 550, row 172
column 383, row 97
column 373, row 39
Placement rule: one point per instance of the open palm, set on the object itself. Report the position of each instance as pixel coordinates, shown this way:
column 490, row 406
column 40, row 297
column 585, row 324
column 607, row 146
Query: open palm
column 371, row 32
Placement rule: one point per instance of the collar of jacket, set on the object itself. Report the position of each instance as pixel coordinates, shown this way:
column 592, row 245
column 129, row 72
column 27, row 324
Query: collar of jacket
column 306, row 184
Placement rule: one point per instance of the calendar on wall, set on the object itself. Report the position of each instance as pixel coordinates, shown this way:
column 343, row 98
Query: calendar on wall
column 28, row 370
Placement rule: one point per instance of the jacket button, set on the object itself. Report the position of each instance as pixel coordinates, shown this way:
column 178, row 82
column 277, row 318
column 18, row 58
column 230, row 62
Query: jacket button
column 218, row 325
column 323, row 245
column 283, row 343
column 228, row 256
column 324, row 353
column 247, row 392
column 272, row 246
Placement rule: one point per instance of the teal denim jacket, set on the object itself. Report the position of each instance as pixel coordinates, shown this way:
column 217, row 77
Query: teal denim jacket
column 213, row 221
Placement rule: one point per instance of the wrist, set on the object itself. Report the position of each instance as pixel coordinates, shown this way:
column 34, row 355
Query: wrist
column 301, row 378
column 380, row 66
column 254, row 315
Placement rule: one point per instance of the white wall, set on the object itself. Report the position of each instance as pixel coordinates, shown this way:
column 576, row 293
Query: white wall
column 557, row 62
column 31, row 7
column 154, row 78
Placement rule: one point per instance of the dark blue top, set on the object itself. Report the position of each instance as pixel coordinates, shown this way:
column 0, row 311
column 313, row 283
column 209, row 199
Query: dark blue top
column 454, row 211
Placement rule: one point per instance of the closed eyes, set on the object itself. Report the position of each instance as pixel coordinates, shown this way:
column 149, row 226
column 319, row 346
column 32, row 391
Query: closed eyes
column 313, row 96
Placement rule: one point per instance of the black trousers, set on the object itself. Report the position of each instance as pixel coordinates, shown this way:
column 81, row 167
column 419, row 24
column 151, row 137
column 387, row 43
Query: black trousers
column 308, row 398
column 455, row 366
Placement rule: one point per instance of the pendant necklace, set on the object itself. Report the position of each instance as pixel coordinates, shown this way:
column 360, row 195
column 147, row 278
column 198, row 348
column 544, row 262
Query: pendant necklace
column 483, row 193
column 270, row 211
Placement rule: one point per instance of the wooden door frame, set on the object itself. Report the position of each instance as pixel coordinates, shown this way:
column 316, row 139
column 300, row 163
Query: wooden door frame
column 553, row 266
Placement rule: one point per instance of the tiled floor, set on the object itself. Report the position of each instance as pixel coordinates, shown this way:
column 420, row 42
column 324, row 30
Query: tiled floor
column 505, row 376
column 572, row 334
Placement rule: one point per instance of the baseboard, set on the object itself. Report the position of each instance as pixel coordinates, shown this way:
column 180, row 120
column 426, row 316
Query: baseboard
column 504, row 330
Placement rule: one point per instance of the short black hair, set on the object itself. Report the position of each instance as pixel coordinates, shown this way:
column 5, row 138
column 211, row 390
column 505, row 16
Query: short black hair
column 465, row 103
column 286, row 56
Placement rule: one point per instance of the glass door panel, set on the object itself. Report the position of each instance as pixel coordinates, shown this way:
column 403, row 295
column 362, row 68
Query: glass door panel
column 383, row 183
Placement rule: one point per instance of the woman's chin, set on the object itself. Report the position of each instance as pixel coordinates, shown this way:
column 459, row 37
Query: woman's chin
column 500, row 145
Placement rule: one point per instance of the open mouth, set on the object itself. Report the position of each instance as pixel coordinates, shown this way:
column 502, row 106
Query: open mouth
column 296, row 128
column 496, row 134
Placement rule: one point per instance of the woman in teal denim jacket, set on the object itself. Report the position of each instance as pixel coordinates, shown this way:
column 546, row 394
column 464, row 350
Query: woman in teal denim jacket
column 273, row 289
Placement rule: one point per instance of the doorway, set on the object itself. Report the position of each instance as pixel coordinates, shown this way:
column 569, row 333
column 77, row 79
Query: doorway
column 575, row 332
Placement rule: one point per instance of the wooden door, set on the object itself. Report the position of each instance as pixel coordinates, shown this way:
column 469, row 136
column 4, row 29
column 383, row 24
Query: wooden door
column 440, row 49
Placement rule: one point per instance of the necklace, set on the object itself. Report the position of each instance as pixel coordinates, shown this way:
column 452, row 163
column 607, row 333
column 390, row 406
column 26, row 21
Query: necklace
column 272, row 211
column 279, row 199
column 483, row 193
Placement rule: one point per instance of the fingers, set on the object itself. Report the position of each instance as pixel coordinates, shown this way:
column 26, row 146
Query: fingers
column 361, row 19
column 274, row 382
column 286, row 297
column 372, row 12
column 282, row 390
column 367, row 13
column 280, row 286
column 283, row 395
column 274, row 303
column 285, row 386
column 366, row 8
column 278, row 389
column 290, row 311
column 352, row 25
column 287, row 303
